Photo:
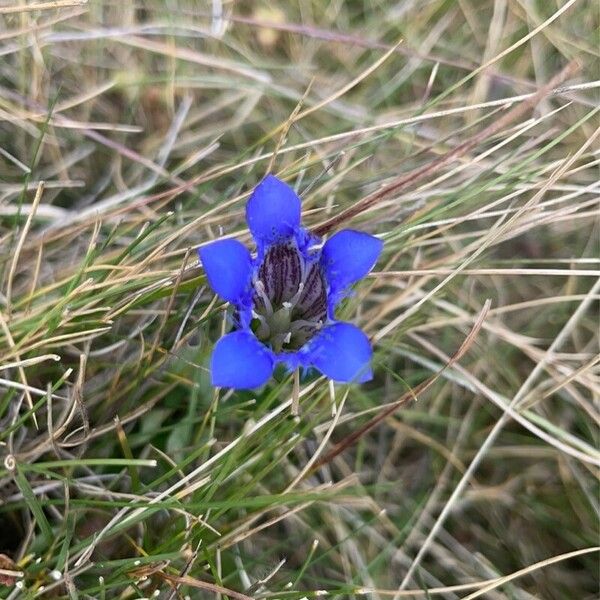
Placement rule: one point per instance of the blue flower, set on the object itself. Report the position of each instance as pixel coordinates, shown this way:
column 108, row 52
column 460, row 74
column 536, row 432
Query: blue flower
column 286, row 293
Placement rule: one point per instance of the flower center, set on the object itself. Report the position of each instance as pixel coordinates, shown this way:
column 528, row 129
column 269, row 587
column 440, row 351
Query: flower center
column 290, row 299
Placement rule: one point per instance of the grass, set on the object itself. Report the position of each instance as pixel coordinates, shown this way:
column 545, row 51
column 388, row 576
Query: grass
column 131, row 134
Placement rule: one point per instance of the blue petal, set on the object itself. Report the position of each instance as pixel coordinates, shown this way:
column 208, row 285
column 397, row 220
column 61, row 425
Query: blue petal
column 240, row 361
column 273, row 211
column 342, row 352
column 228, row 266
column 348, row 256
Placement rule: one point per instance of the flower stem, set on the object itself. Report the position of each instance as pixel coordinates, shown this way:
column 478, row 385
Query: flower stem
column 296, row 394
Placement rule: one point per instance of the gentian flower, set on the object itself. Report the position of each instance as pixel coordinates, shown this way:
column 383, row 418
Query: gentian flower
column 286, row 293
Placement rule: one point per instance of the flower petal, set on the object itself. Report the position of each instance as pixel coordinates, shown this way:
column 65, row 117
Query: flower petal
column 240, row 361
column 228, row 267
column 348, row 256
column 342, row 352
column 273, row 211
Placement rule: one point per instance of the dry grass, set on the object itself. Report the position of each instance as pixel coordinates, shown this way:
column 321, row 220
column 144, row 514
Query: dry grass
column 465, row 135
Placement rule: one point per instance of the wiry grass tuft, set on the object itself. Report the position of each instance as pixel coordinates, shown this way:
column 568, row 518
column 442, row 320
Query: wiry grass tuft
column 465, row 135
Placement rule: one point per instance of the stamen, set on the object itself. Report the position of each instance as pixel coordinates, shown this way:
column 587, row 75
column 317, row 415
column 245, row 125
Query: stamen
column 255, row 315
column 295, row 325
column 259, row 286
column 296, row 297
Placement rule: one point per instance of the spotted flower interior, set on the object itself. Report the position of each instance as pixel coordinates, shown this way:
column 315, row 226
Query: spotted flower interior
column 290, row 298
column 285, row 294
